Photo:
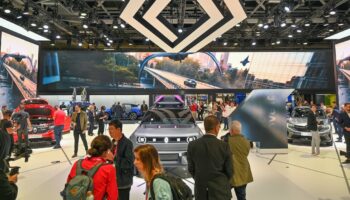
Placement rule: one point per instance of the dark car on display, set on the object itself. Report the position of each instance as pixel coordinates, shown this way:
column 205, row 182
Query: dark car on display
column 130, row 111
column 41, row 117
column 190, row 83
column 169, row 130
column 297, row 125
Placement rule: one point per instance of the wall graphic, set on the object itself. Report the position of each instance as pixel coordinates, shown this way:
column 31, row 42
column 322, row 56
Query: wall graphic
column 18, row 70
column 203, row 70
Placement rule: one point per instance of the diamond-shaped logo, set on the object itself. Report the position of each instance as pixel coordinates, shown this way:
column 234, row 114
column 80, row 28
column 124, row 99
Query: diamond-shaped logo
column 155, row 27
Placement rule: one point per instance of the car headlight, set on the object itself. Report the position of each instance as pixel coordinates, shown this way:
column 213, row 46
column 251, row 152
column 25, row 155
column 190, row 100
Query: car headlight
column 290, row 125
column 141, row 140
column 191, row 138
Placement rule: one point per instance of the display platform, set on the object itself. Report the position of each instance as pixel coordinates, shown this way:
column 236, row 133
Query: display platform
column 296, row 175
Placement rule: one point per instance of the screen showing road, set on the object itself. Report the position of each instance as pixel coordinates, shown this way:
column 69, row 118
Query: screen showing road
column 202, row 70
column 342, row 64
column 19, row 69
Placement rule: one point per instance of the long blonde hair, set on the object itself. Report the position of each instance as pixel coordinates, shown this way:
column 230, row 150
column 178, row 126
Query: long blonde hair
column 150, row 159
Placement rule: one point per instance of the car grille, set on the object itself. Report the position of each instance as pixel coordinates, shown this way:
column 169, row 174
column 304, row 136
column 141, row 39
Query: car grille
column 301, row 128
column 39, row 130
column 169, row 140
column 169, row 157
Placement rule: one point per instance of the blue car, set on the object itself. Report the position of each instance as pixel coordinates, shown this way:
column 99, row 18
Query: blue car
column 130, row 111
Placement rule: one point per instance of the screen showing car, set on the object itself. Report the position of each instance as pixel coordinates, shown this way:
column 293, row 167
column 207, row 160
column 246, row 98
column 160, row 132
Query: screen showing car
column 19, row 66
column 108, row 71
column 168, row 116
column 342, row 66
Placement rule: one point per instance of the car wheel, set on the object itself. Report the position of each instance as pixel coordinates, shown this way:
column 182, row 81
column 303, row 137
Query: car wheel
column 133, row 116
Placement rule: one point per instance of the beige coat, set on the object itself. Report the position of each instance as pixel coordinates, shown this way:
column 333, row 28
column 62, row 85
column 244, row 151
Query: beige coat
column 83, row 120
column 240, row 147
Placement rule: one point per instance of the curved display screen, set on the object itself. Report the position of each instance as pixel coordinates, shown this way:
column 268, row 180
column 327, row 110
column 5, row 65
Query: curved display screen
column 342, row 64
column 106, row 71
column 18, row 70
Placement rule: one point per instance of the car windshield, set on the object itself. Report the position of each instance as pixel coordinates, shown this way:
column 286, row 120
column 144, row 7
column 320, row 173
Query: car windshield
column 35, row 101
column 39, row 111
column 303, row 112
column 168, row 116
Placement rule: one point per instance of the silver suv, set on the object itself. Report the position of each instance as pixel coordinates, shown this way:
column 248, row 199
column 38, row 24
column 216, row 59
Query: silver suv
column 297, row 125
column 169, row 130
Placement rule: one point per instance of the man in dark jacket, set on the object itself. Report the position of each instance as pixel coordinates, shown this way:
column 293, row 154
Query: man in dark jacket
column 79, row 120
column 210, row 164
column 123, row 159
column 312, row 127
column 344, row 121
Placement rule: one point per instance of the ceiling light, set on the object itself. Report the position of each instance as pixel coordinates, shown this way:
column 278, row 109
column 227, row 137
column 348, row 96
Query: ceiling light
column 332, row 12
column 225, row 43
column 341, row 24
column 238, row 25
column 180, row 30
column 214, row 40
column 52, row 44
column 253, row 43
column 58, row 37
column 82, row 17
column 273, row 43
column 290, row 35
column 283, row 24
column 299, row 31
column 147, row 39
column 108, row 44
column 305, row 43
column 83, row 14
column 85, row 26
column 287, row 8
column 105, row 36
column 110, row 41
column 122, row 25
column 293, row 25
column 331, row 30
column 33, row 24
column 325, row 24
column 80, row 44
column 260, row 25
column 266, row 26
column 45, row 26
column 278, row 42
column 130, row 44
column 115, row 26
column 7, row 11
column 40, row 28
column 235, row 44
column 45, row 30
column 307, row 24
column 19, row 17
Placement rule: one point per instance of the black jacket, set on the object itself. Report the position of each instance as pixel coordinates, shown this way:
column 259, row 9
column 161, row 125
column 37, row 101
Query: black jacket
column 210, row 164
column 311, row 121
column 124, row 163
column 344, row 121
column 8, row 190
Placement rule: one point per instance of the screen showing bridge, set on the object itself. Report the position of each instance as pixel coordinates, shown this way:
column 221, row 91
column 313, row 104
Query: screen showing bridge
column 342, row 64
column 19, row 69
column 203, row 70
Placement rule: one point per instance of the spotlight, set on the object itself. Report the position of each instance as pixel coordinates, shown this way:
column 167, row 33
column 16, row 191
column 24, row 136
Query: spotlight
column 115, row 27
column 52, row 43
column 299, row 30
column 46, row 26
column 253, row 43
column 85, row 26
column 305, row 43
column 273, row 43
column 283, row 24
column 294, row 25
column 340, row 24
column 130, row 44
column 122, row 25
column 33, row 24
column 58, row 37
column 266, row 26
column 147, row 39
column 235, row 44
column 287, row 8
column 331, row 30
column 225, row 44
column 180, row 30
column 7, row 11
column 307, row 24
column 278, row 42
column 332, row 12
column 238, row 25
column 19, row 17
column 83, row 14
column 45, row 30
column 260, row 25
column 110, row 41
column 290, row 35
column 108, row 44
column 325, row 24
column 80, row 44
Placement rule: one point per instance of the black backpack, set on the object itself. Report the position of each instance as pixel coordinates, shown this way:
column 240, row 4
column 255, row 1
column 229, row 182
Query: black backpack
column 179, row 189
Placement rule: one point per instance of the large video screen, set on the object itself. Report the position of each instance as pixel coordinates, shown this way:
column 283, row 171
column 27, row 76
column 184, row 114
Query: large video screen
column 342, row 64
column 202, row 70
column 19, row 69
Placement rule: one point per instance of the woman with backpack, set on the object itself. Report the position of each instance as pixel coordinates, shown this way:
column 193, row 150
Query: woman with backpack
column 95, row 166
column 148, row 164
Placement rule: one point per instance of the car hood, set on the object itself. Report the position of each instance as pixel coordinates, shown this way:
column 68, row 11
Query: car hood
column 303, row 121
column 156, row 131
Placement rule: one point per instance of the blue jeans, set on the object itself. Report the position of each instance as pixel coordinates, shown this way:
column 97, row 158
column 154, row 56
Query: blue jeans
column 240, row 192
column 58, row 134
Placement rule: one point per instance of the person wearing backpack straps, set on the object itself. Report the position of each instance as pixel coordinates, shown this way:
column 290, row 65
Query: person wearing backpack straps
column 148, row 164
column 104, row 178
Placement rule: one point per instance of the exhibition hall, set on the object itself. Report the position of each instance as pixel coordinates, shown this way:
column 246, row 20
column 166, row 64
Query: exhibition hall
column 174, row 99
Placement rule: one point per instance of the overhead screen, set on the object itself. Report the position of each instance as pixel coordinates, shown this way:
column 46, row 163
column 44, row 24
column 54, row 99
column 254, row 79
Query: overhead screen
column 342, row 59
column 19, row 69
column 207, row 70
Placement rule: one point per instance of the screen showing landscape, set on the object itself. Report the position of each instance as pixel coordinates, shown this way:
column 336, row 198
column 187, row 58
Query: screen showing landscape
column 98, row 70
column 342, row 64
column 19, row 69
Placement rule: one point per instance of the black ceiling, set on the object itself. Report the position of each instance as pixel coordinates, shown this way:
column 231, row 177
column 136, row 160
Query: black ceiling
column 104, row 26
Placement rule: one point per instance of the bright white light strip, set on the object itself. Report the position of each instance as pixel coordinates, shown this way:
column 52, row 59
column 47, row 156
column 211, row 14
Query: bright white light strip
column 340, row 35
column 214, row 17
column 151, row 16
column 234, row 6
column 15, row 28
column 239, row 15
